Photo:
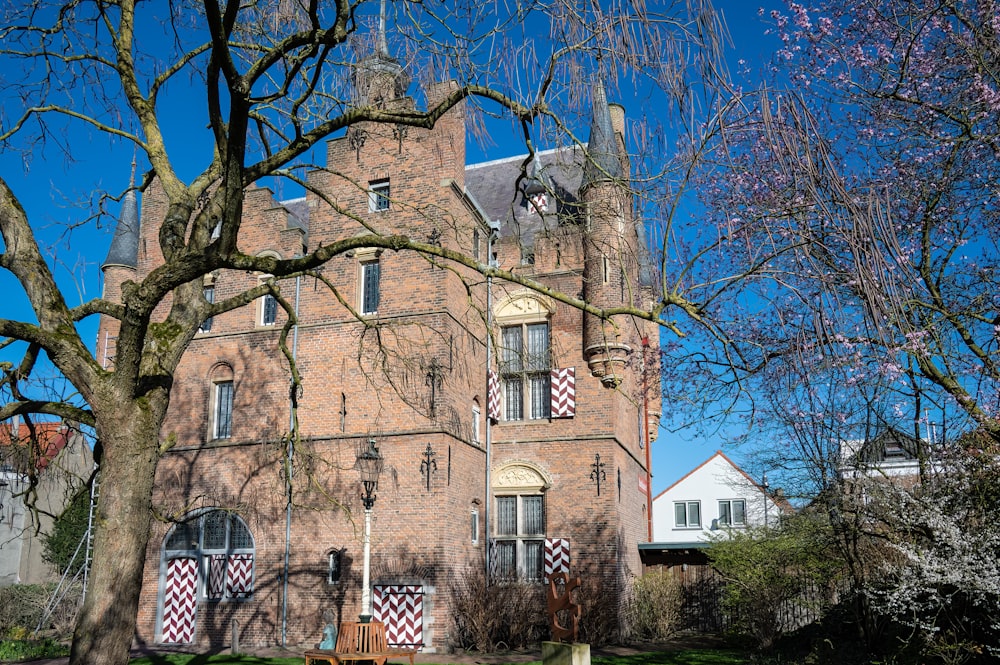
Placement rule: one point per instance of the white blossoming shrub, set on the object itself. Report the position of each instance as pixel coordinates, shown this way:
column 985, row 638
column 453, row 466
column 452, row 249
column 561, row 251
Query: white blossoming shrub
column 943, row 583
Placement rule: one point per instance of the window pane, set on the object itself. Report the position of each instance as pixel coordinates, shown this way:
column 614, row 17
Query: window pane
column 513, row 391
column 209, row 294
column 534, row 515
column 223, row 409
column 511, row 349
column 739, row 512
column 538, row 347
column 370, row 287
column 239, row 534
column 506, row 516
column 694, row 514
column 541, row 396
column 506, row 558
column 214, row 528
column 724, row 517
column 184, row 538
column 269, row 309
column 534, row 557
column 680, row 514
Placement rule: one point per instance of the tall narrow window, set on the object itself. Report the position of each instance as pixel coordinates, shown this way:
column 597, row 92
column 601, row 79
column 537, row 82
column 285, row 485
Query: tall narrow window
column 475, row 244
column 526, row 371
column 370, row 275
column 268, row 310
column 378, row 195
column 209, row 294
column 223, row 410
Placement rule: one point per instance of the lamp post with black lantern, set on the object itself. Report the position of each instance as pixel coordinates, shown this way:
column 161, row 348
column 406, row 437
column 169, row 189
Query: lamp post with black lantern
column 369, row 464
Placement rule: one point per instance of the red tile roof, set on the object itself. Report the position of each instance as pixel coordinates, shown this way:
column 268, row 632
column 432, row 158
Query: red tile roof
column 52, row 437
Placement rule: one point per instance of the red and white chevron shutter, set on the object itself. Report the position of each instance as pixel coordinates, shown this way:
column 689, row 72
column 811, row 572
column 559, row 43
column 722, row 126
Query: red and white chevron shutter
column 401, row 609
column 216, row 576
column 180, row 601
column 239, row 580
column 493, row 401
column 556, row 556
column 563, row 392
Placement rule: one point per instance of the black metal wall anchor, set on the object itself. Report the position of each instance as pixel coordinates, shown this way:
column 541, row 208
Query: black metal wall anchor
column 598, row 474
column 428, row 465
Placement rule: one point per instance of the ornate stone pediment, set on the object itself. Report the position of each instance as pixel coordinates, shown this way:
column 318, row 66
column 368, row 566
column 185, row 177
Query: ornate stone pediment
column 521, row 476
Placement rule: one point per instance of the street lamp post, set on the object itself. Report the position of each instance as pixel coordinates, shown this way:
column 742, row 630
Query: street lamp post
column 369, row 464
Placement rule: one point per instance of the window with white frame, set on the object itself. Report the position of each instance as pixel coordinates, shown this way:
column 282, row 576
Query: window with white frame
column 687, row 514
column 370, row 278
column 378, row 195
column 222, row 545
column 520, row 536
column 733, row 512
column 474, row 526
column 222, row 409
column 525, row 370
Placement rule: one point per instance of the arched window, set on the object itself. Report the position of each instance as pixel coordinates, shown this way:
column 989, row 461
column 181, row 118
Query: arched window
column 222, row 546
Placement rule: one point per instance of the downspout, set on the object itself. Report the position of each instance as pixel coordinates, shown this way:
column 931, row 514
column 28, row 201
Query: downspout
column 494, row 231
column 288, row 474
column 646, row 441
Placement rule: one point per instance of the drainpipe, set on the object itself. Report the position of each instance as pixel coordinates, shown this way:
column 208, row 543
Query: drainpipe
column 645, row 436
column 494, row 233
column 288, row 475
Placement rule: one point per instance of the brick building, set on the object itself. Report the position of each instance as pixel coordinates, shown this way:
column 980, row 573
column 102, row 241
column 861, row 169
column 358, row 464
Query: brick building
column 534, row 437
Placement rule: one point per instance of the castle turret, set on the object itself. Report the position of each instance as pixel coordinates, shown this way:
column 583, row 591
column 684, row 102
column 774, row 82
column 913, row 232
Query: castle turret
column 379, row 79
column 119, row 266
column 610, row 246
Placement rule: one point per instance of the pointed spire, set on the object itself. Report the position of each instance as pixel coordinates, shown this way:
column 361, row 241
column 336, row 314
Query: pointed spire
column 124, row 251
column 379, row 77
column 603, row 161
column 382, row 44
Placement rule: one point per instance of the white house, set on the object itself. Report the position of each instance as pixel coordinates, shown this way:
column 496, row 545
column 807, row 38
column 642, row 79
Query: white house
column 716, row 495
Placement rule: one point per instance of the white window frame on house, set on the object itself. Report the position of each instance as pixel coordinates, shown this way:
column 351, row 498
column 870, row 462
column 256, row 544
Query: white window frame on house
column 222, row 409
column 526, row 370
column 687, row 522
column 474, row 526
column 378, row 195
column 728, row 513
column 195, row 538
column 520, row 536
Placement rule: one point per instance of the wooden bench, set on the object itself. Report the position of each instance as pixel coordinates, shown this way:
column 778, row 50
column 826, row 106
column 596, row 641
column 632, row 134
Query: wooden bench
column 360, row 641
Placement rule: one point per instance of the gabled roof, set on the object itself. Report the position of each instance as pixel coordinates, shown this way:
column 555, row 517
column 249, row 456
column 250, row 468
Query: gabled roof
column 778, row 500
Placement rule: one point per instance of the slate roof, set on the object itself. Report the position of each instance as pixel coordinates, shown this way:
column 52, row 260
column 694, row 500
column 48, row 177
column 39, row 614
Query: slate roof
column 499, row 187
column 124, row 249
column 604, row 163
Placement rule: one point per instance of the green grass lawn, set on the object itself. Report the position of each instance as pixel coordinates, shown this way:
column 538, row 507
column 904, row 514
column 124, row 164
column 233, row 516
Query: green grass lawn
column 685, row 657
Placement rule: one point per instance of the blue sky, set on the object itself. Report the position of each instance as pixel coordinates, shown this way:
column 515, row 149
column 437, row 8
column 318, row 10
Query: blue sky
column 57, row 192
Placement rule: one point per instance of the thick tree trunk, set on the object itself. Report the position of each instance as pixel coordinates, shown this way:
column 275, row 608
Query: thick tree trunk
column 105, row 628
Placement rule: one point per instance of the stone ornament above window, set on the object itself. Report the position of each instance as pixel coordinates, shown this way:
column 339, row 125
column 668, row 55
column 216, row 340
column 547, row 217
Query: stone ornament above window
column 520, row 475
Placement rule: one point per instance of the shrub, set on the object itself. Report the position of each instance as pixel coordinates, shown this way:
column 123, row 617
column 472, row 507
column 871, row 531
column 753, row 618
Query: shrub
column 655, row 606
column 492, row 617
column 22, row 606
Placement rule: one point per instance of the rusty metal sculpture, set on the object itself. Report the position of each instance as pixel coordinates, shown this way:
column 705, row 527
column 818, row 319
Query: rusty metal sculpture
column 563, row 603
